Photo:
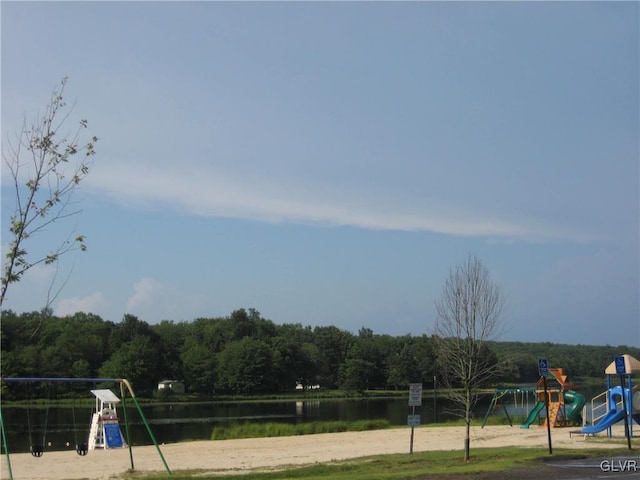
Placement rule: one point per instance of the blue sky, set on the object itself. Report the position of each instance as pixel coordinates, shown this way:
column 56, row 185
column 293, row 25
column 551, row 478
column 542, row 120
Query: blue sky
column 328, row 163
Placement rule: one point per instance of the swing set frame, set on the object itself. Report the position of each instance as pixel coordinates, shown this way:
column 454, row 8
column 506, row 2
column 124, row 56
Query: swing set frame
column 122, row 382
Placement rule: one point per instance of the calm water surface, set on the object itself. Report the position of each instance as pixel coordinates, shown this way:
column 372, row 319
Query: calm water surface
column 181, row 422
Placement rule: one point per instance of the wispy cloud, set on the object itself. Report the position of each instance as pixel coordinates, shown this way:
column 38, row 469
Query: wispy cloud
column 148, row 292
column 206, row 192
column 154, row 301
column 91, row 303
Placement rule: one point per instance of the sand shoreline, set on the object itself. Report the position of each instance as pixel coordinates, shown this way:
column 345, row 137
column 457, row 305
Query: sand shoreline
column 225, row 456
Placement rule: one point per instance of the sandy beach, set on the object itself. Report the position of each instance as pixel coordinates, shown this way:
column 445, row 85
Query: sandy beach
column 225, row 456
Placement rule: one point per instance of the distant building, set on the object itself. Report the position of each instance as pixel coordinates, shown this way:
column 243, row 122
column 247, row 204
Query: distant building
column 300, row 386
column 175, row 386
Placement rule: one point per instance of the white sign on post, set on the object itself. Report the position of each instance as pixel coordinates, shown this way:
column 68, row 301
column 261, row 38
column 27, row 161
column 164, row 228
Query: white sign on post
column 415, row 394
column 413, row 420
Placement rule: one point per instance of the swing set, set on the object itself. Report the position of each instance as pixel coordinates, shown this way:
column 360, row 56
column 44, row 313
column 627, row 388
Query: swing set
column 37, row 449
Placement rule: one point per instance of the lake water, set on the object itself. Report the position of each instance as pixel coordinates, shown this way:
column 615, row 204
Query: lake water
column 181, row 422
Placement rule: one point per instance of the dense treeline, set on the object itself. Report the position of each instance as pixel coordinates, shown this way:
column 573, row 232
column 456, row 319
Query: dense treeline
column 245, row 354
column 576, row 360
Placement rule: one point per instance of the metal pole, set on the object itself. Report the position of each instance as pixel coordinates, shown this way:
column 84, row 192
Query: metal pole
column 146, row 424
column 6, row 447
column 412, row 426
column 59, row 379
column 626, row 412
column 126, row 424
column 631, row 405
column 546, row 404
column 435, row 415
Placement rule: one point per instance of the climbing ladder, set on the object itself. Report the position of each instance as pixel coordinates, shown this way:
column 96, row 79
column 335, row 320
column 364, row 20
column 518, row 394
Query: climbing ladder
column 556, row 397
column 554, row 409
column 96, row 433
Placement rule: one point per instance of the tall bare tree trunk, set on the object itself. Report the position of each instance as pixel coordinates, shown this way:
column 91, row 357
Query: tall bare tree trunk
column 468, row 318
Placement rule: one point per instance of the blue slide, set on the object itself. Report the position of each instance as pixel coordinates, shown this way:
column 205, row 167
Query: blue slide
column 612, row 416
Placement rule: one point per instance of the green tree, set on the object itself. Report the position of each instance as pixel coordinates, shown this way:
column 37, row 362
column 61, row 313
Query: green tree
column 295, row 357
column 199, row 367
column 129, row 328
column 136, row 361
column 333, row 345
column 45, row 169
column 355, row 371
column 374, row 351
column 403, row 367
column 308, row 373
column 426, row 357
column 172, row 338
column 245, row 367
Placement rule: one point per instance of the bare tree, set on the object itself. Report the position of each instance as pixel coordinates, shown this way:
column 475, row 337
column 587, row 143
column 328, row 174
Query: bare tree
column 468, row 317
column 46, row 166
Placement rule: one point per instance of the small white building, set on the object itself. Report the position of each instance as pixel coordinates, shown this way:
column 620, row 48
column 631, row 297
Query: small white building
column 105, row 429
column 175, row 386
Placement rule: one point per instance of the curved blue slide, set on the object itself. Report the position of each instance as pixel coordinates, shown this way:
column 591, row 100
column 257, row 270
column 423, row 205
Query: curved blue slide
column 612, row 416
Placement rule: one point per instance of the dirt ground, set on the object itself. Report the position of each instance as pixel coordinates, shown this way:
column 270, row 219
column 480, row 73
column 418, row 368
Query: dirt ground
column 226, row 456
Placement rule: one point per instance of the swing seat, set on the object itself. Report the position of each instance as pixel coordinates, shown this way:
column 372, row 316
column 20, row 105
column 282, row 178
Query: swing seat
column 82, row 449
column 37, row 450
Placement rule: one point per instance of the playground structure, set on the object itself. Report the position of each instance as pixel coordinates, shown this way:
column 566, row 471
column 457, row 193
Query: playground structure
column 608, row 408
column 565, row 404
column 520, row 396
column 105, row 430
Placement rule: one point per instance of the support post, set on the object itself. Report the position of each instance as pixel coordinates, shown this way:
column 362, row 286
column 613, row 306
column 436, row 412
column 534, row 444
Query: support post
column 126, row 424
column 6, row 446
column 413, row 412
column 435, row 415
column 507, row 414
column 626, row 413
column 146, row 424
column 546, row 405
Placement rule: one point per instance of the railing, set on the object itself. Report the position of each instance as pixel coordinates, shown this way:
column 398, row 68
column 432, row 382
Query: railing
column 600, row 410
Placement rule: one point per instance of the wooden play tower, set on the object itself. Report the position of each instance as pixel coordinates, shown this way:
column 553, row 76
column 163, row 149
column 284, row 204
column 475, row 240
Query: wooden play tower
column 558, row 396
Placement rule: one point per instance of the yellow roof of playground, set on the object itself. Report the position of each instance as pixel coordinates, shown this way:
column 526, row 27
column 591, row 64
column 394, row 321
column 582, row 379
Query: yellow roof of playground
column 631, row 364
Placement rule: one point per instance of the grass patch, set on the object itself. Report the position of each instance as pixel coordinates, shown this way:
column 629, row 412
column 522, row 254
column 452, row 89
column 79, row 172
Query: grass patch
column 280, row 429
column 418, row 466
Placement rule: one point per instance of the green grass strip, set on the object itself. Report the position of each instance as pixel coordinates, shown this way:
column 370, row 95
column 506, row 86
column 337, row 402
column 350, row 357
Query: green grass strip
column 280, row 429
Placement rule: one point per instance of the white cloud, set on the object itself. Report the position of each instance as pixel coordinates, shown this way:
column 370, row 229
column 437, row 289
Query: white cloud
column 206, row 192
column 90, row 303
column 148, row 293
column 154, row 301
column 41, row 275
